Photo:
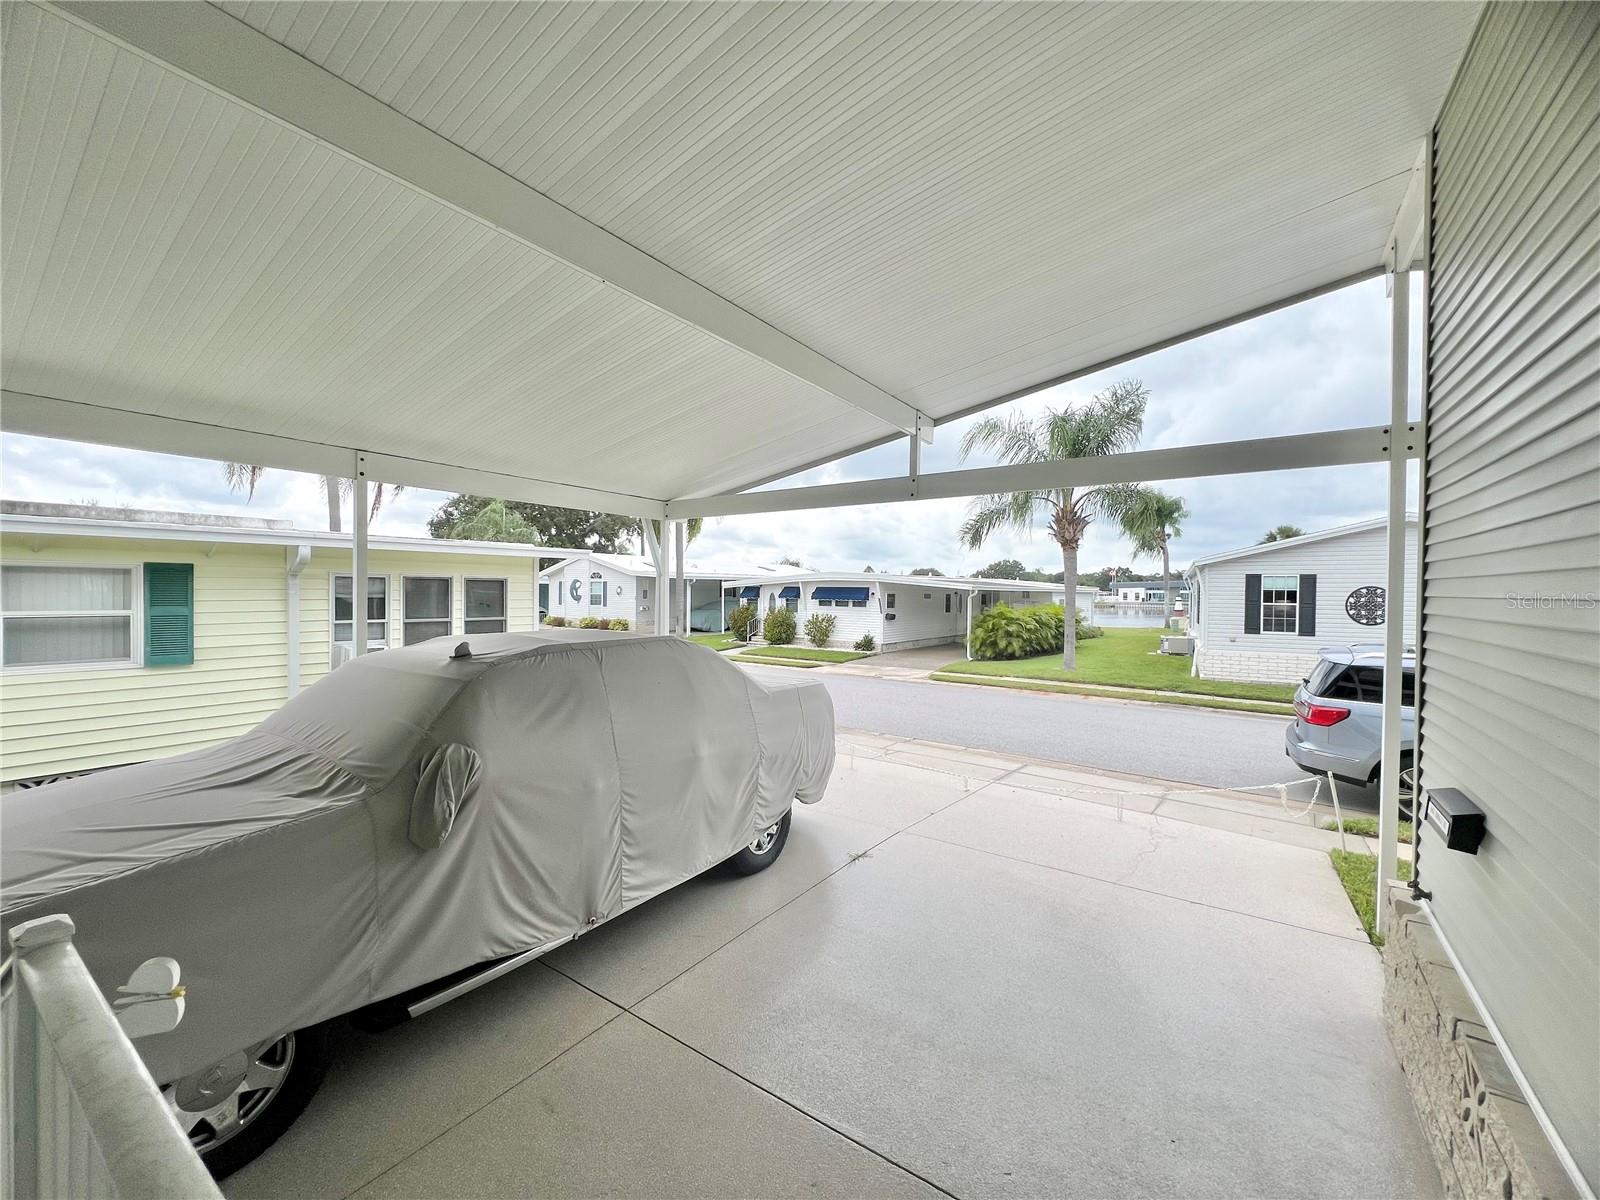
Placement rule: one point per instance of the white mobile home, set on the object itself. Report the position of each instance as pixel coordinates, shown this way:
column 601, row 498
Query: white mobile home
column 1262, row 613
column 608, row 586
column 900, row 612
column 206, row 623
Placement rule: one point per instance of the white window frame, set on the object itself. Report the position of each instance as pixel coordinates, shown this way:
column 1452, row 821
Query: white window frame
column 1295, row 604
column 602, row 584
column 135, row 620
column 407, row 620
column 373, row 643
column 505, row 597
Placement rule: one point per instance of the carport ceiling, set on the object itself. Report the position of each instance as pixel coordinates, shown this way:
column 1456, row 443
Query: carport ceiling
column 669, row 249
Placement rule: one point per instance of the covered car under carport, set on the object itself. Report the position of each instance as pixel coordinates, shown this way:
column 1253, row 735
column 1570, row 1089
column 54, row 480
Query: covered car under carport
column 295, row 236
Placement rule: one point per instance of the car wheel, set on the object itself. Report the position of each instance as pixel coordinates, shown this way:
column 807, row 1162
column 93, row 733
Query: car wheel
column 236, row 1108
column 761, row 853
column 1408, row 784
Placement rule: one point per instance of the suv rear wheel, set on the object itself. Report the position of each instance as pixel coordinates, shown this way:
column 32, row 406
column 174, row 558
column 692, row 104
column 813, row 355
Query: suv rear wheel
column 1408, row 784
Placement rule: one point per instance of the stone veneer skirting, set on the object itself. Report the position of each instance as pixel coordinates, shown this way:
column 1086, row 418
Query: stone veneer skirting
column 1486, row 1141
column 1253, row 666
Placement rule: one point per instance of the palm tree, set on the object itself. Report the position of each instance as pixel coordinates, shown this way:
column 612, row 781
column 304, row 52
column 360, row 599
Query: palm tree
column 1282, row 534
column 244, row 477
column 1152, row 521
column 1110, row 423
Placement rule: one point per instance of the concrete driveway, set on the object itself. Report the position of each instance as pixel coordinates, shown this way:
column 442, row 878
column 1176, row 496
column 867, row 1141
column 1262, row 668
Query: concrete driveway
column 968, row 975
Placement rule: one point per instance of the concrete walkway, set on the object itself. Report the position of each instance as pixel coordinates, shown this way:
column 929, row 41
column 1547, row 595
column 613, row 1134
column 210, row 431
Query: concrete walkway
column 968, row 975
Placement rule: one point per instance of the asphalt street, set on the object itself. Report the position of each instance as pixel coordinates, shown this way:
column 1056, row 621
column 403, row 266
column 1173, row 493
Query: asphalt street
column 1192, row 745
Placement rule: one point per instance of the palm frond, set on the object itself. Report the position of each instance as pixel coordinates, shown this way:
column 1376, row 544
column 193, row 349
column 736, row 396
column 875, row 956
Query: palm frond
column 990, row 514
column 1012, row 439
column 243, row 477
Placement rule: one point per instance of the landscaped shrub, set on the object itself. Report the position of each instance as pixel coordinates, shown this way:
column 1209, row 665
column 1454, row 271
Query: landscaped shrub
column 779, row 627
column 866, row 642
column 603, row 623
column 1087, row 631
column 555, row 622
column 819, row 628
column 739, row 621
column 587, row 622
column 1002, row 632
column 1006, row 632
column 620, row 623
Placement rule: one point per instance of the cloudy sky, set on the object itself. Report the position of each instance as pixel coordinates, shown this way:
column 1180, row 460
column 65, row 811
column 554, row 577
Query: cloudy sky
column 1319, row 365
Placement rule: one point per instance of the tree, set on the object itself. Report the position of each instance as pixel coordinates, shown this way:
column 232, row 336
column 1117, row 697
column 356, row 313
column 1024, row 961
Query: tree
column 1003, row 568
column 928, row 571
column 246, row 476
column 788, row 560
column 1110, row 423
column 567, row 528
column 1152, row 520
column 867, row 570
column 1282, row 534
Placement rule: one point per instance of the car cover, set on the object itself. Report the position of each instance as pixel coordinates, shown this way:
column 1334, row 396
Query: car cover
column 418, row 811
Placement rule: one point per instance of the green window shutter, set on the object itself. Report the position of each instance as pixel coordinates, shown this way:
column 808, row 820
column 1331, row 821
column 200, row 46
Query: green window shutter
column 168, row 614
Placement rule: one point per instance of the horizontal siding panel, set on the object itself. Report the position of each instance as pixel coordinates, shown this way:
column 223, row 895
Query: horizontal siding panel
column 1510, row 668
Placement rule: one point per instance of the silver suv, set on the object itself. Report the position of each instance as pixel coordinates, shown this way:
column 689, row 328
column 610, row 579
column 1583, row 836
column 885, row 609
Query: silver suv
column 1338, row 725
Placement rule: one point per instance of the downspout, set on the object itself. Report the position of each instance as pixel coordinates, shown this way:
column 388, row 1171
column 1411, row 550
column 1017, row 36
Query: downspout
column 299, row 557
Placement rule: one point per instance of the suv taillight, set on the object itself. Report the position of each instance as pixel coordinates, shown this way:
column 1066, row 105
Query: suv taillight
column 1319, row 714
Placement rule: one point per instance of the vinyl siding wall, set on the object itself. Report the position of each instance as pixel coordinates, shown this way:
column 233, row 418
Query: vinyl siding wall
column 1341, row 564
column 623, row 603
column 851, row 622
column 1510, row 688
column 920, row 618
column 81, row 718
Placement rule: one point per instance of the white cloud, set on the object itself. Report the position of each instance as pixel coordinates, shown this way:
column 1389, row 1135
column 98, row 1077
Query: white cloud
column 1323, row 364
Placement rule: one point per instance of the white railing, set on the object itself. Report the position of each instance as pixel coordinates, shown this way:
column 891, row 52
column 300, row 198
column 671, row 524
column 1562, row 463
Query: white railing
column 81, row 1115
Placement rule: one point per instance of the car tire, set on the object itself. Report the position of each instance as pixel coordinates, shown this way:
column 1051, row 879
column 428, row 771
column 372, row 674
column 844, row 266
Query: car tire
column 1407, row 795
column 763, row 851
column 305, row 1053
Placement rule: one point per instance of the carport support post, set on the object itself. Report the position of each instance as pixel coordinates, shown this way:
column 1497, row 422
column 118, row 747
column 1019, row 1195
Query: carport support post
column 1401, row 439
column 680, row 590
column 358, row 572
column 968, row 640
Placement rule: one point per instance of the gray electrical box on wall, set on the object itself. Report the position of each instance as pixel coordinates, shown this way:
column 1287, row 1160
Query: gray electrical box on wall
column 1454, row 818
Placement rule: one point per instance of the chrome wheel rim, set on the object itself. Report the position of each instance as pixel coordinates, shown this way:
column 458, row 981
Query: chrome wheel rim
column 763, row 843
column 215, row 1104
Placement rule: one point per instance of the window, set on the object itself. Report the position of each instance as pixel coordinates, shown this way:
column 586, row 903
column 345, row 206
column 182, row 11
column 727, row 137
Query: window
column 427, row 608
column 484, row 602
column 1334, row 681
column 889, row 600
column 377, row 611
column 858, row 604
column 792, row 603
column 597, row 591
column 59, row 616
column 947, row 602
column 1280, row 603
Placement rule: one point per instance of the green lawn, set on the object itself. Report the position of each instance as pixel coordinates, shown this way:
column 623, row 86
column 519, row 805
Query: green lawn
column 717, row 641
column 1368, row 827
column 802, row 652
column 1126, row 658
column 1358, row 871
column 1074, row 689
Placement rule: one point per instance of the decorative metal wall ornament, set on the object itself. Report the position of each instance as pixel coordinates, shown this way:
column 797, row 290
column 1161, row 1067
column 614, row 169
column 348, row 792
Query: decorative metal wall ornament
column 1366, row 605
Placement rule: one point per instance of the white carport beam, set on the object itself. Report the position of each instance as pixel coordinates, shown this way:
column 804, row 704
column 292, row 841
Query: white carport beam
column 46, row 416
column 228, row 56
column 1340, row 447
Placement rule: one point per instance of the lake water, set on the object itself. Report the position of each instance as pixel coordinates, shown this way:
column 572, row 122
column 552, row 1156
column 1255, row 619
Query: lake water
column 1127, row 616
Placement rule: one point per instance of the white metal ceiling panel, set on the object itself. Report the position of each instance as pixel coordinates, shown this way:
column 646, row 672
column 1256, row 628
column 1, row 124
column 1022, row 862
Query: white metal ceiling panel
column 171, row 252
column 952, row 202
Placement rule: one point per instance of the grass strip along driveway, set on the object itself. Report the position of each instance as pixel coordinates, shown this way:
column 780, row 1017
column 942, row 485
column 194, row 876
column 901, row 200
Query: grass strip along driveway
column 794, row 656
column 1127, row 658
column 1115, row 693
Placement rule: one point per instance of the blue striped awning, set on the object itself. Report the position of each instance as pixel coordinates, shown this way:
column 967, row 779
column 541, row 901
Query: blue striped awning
column 839, row 593
column 792, row 592
column 750, row 593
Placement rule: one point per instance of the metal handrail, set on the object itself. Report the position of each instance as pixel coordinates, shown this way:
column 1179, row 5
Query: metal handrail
column 83, row 1116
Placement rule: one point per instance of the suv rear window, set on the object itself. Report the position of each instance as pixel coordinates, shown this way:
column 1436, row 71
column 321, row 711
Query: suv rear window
column 1363, row 685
